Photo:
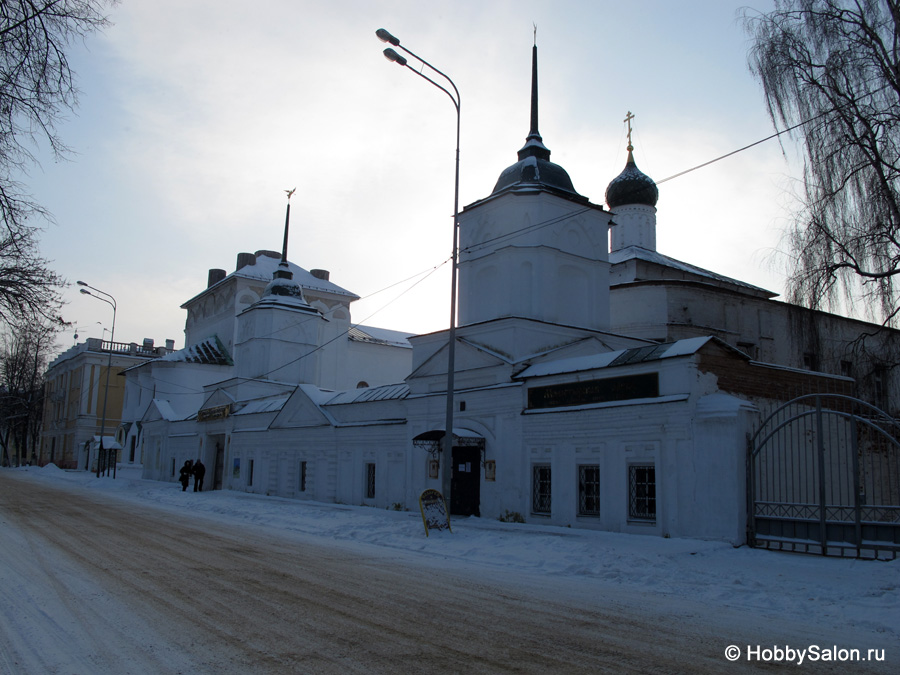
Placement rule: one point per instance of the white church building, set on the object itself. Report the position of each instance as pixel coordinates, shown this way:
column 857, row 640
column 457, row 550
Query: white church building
column 598, row 383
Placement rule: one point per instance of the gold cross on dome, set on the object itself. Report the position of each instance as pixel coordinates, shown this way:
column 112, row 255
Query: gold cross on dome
column 628, row 118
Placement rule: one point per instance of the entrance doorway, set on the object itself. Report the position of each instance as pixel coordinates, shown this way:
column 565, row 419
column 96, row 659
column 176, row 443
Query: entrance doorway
column 219, row 467
column 465, row 482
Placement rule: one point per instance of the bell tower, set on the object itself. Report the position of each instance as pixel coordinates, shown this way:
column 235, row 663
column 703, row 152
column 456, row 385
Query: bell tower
column 534, row 248
column 279, row 336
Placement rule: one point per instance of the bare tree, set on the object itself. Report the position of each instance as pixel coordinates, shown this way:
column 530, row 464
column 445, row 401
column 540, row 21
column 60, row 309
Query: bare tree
column 832, row 69
column 25, row 352
column 36, row 88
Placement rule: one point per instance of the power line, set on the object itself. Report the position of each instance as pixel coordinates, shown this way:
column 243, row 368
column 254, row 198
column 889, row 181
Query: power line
column 746, row 147
column 512, row 235
column 427, row 273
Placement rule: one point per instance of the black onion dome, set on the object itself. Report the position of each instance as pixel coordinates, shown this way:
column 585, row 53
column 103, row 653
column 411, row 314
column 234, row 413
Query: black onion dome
column 533, row 169
column 632, row 186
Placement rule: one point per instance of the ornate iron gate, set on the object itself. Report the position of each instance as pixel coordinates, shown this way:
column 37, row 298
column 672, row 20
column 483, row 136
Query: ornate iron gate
column 824, row 477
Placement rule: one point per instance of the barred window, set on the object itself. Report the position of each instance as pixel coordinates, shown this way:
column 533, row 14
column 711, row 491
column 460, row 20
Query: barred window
column 370, row 481
column 589, row 490
column 540, row 488
column 642, row 492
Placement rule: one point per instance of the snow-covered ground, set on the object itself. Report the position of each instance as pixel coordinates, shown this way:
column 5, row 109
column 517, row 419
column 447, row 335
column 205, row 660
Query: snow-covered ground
column 810, row 590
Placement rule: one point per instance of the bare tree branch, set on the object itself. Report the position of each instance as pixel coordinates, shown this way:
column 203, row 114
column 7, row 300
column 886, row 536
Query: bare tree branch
column 37, row 87
column 838, row 62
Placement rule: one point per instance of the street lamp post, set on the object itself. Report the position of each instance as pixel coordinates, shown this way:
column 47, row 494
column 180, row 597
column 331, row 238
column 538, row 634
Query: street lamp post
column 112, row 336
column 391, row 55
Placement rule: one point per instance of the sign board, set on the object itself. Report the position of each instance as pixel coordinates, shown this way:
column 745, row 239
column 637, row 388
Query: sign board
column 434, row 511
column 644, row 385
column 218, row 413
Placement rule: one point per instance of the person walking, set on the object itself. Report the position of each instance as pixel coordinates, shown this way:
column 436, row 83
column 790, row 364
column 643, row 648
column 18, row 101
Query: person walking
column 199, row 473
column 184, row 475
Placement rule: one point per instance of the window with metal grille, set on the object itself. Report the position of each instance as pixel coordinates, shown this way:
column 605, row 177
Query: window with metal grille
column 642, row 492
column 879, row 377
column 540, row 488
column 589, row 490
column 370, row 481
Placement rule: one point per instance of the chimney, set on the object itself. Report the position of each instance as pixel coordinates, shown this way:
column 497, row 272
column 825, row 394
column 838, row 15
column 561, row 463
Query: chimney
column 324, row 275
column 170, row 345
column 244, row 259
column 215, row 276
column 148, row 344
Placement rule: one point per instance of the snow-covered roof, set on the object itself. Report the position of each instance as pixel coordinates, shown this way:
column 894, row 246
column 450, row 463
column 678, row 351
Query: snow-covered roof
column 109, row 442
column 260, row 405
column 638, row 253
column 165, row 409
column 209, row 352
column 385, row 392
column 621, row 357
column 382, row 336
column 264, row 268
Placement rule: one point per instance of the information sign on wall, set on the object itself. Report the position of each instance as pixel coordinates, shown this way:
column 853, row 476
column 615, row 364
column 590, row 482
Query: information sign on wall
column 568, row 394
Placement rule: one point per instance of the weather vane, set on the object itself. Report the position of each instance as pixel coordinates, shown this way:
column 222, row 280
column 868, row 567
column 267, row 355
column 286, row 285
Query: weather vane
column 290, row 193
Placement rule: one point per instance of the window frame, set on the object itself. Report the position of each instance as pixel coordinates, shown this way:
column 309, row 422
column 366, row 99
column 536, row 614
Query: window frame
column 639, row 504
column 542, row 489
column 584, row 495
column 370, row 480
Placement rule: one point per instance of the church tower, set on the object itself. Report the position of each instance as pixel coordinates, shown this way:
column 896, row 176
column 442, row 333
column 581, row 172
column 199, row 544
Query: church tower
column 534, row 248
column 279, row 336
column 632, row 197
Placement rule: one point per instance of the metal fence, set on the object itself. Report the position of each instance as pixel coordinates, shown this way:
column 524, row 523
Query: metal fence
column 824, row 477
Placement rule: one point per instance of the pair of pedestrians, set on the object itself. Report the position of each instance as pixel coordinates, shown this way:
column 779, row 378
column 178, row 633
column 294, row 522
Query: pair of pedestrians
column 195, row 469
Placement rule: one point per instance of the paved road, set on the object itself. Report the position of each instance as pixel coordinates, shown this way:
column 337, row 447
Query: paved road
column 94, row 587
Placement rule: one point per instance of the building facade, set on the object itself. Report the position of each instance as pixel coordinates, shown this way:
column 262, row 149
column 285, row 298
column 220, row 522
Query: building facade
column 598, row 382
column 82, row 384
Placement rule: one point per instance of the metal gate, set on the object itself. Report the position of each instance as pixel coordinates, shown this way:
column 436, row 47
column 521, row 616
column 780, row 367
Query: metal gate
column 824, row 477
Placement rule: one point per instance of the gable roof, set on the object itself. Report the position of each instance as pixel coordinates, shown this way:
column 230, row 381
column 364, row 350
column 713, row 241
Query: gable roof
column 379, row 336
column 387, row 392
column 623, row 357
column 656, row 258
column 160, row 409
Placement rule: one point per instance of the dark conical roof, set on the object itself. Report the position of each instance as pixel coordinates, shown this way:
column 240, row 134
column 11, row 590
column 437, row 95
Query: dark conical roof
column 632, row 186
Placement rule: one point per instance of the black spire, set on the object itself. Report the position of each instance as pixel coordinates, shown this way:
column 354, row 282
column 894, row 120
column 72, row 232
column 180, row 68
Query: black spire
column 534, row 144
column 283, row 283
column 534, row 170
column 284, row 271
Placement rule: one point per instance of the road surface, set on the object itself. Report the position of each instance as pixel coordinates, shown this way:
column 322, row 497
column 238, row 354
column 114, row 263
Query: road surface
column 96, row 586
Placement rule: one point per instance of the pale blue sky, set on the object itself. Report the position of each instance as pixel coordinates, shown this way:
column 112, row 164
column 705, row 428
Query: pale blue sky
column 195, row 116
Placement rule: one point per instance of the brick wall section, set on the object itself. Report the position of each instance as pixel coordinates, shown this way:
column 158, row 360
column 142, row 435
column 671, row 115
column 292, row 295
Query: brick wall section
column 756, row 380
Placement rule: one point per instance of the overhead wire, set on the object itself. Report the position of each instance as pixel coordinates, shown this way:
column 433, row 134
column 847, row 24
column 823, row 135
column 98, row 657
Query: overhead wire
column 427, row 273
column 508, row 236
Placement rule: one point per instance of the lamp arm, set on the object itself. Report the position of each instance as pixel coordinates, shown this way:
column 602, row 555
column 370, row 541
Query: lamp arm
column 457, row 99
column 113, row 303
column 441, row 87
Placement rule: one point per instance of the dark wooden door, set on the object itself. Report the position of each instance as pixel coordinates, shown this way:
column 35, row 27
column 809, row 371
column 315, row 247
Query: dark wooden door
column 465, row 482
